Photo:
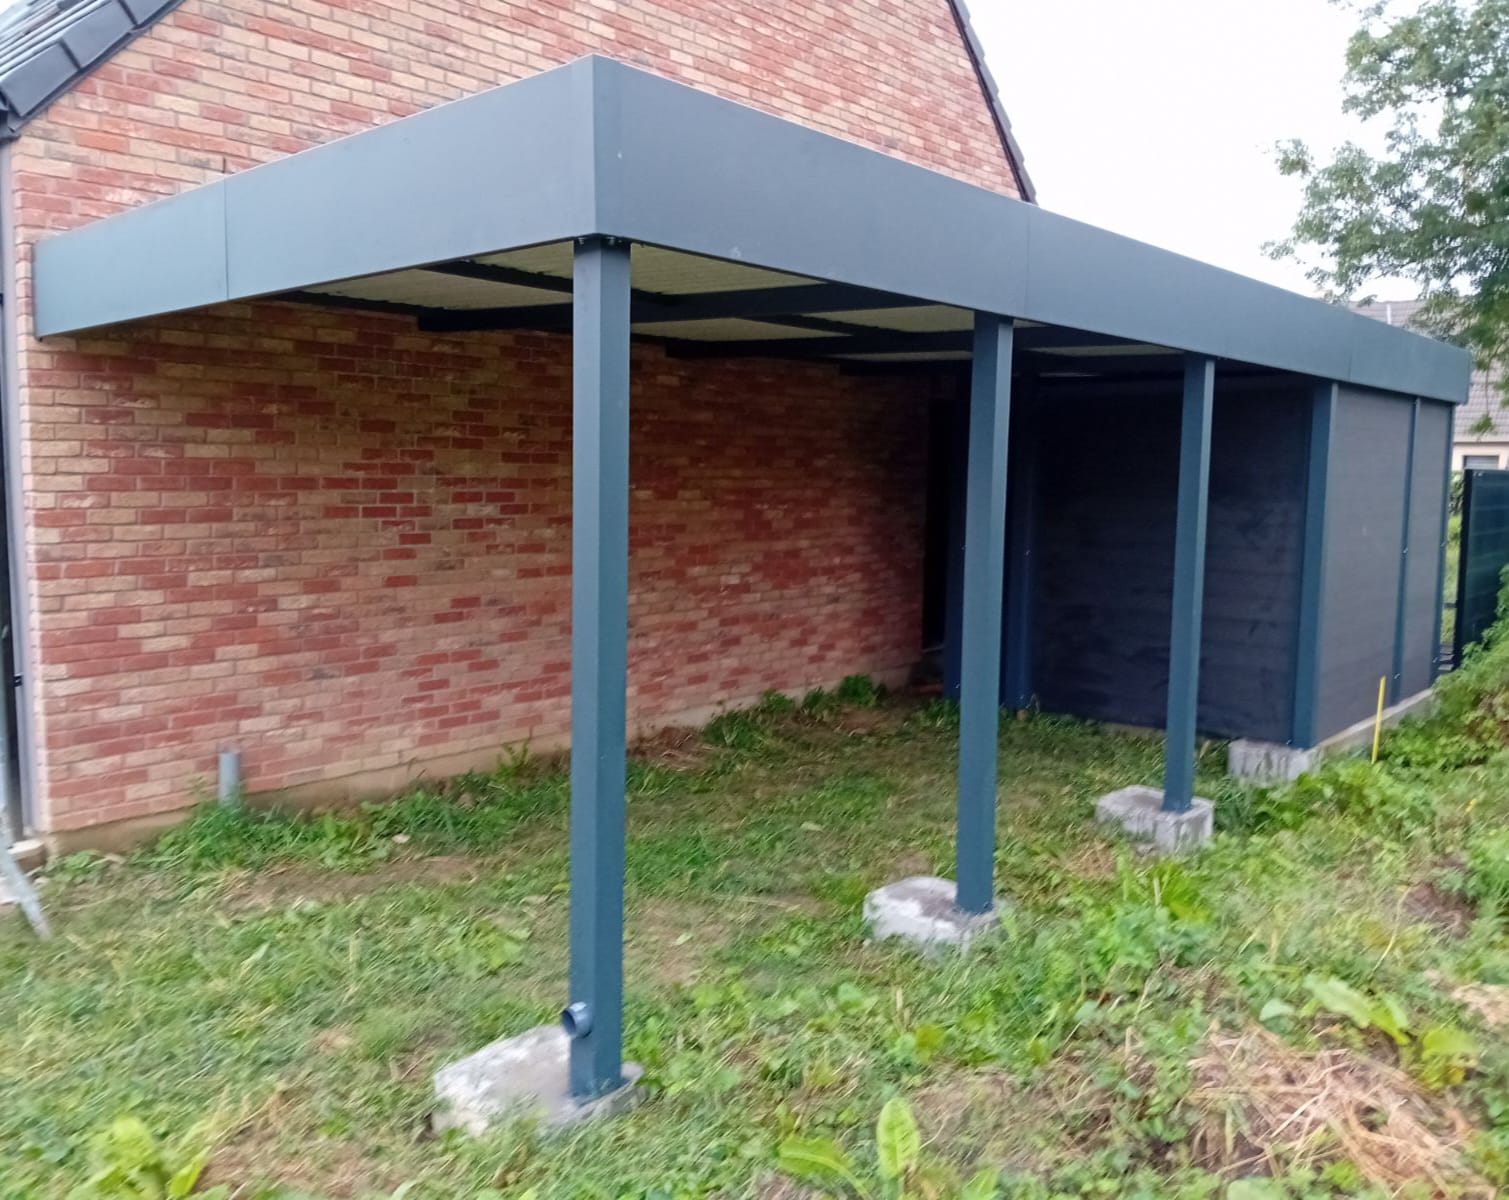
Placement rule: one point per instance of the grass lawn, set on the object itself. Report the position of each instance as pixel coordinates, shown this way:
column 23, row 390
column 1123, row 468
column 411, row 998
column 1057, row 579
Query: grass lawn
column 1305, row 1009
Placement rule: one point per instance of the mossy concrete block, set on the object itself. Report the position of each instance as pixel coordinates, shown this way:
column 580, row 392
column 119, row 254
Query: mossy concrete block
column 1139, row 811
column 1269, row 762
column 921, row 910
column 521, row 1077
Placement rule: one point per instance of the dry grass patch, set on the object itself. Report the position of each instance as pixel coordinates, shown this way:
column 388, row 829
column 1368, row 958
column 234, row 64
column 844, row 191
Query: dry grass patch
column 1490, row 1001
column 1270, row 1108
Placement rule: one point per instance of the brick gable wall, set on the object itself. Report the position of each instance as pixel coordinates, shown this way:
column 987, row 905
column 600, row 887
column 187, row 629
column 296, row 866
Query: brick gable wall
column 343, row 545
column 215, row 88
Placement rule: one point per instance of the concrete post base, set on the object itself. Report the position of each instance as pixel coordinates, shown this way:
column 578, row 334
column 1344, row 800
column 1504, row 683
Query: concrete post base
column 920, row 910
column 1139, row 811
column 1269, row 762
column 521, row 1077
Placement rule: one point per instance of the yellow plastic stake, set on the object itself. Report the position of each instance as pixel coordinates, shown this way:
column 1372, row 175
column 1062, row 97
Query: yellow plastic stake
column 1378, row 720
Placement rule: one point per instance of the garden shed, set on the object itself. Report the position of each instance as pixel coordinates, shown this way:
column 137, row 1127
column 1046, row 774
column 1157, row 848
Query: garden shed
column 1167, row 495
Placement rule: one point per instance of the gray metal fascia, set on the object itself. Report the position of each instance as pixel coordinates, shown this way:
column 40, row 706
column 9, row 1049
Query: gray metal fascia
column 789, row 198
column 797, row 200
column 509, row 167
column 161, row 257
column 599, row 147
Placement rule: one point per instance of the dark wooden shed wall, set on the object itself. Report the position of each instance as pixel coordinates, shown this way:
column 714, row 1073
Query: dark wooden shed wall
column 1104, row 561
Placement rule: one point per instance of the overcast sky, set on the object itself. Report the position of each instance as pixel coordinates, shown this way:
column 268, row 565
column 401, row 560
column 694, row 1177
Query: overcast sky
column 1157, row 118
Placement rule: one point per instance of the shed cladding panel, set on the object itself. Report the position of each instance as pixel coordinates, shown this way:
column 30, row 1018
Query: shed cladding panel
column 1427, row 495
column 1109, row 471
column 1364, row 537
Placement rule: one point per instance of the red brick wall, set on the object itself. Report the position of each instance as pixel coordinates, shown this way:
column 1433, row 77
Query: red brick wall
column 344, row 545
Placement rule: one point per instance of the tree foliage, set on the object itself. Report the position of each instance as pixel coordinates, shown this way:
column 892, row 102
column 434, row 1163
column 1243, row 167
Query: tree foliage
column 1433, row 204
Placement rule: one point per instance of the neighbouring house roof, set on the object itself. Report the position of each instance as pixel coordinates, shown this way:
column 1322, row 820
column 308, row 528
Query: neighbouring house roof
column 1485, row 398
column 46, row 46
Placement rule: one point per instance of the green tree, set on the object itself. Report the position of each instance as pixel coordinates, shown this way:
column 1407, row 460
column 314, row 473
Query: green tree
column 1433, row 204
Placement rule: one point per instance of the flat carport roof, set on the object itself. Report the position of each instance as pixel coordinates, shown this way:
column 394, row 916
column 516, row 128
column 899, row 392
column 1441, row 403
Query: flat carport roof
column 597, row 199
column 495, row 186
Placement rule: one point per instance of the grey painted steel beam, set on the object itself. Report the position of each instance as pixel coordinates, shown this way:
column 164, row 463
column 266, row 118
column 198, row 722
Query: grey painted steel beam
column 793, row 300
column 953, row 586
column 1189, row 584
column 796, row 193
column 599, row 659
column 1312, row 587
column 1115, row 366
column 498, row 273
column 506, row 168
column 882, row 341
column 980, row 641
column 647, row 308
column 750, row 304
column 1016, row 643
column 360, row 304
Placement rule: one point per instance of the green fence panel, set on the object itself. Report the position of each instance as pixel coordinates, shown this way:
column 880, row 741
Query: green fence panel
column 1485, row 554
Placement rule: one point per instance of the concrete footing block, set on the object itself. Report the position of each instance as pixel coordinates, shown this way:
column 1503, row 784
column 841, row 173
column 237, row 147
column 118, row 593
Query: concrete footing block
column 1269, row 762
column 921, row 910
column 1139, row 811
column 521, row 1077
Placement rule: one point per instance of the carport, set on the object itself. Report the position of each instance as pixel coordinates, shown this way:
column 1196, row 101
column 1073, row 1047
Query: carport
column 607, row 202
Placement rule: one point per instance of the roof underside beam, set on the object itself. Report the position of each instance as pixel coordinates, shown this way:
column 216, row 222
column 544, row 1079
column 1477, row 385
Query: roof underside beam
column 774, row 304
column 891, row 341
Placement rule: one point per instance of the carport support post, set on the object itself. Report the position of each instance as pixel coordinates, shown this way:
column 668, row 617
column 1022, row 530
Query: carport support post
column 984, row 566
column 599, row 659
column 1189, row 584
column 1016, row 638
column 1313, row 567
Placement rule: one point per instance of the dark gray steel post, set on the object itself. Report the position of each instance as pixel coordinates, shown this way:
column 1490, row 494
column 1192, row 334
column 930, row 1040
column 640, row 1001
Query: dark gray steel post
column 1401, row 609
column 1189, row 584
column 1312, row 587
column 953, row 590
column 1443, row 529
column 984, row 567
column 1021, row 512
column 599, row 659
column 1459, row 637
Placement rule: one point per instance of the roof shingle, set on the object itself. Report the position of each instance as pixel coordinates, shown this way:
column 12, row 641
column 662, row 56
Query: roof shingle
column 48, row 45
